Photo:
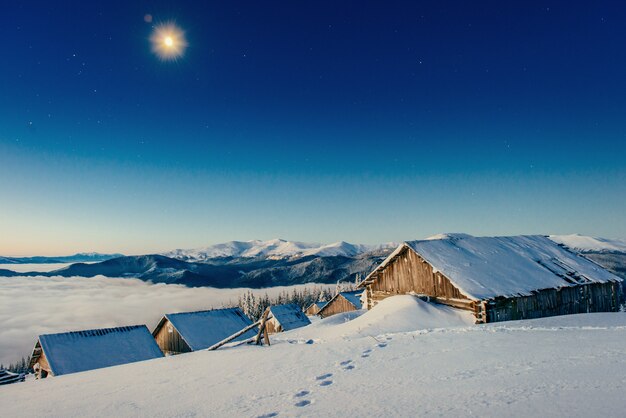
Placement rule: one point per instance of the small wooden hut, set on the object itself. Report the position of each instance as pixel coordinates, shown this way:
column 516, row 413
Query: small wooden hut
column 342, row 302
column 183, row 332
column 285, row 318
column 496, row 278
column 72, row 352
column 314, row 308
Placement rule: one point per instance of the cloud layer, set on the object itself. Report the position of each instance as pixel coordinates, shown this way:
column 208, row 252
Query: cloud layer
column 30, row 306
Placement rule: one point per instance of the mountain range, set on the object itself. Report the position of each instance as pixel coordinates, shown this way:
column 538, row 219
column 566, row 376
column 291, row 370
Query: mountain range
column 277, row 262
column 76, row 258
column 238, row 264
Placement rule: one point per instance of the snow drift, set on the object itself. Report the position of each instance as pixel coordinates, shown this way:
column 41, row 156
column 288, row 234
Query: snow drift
column 394, row 314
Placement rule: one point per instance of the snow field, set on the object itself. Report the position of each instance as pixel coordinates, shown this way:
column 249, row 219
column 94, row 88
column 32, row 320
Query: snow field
column 561, row 366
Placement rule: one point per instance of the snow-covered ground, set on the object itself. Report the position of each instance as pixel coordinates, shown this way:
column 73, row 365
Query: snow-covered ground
column 403, row 358
column 30, row 306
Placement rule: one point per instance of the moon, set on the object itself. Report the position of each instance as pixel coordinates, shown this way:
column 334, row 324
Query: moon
column 168, row 42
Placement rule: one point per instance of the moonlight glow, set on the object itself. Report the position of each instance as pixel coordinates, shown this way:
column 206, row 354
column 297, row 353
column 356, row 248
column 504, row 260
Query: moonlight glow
column 168, row 42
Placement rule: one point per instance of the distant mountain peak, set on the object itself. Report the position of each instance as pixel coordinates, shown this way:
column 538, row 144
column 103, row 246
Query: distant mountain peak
column 274, row 248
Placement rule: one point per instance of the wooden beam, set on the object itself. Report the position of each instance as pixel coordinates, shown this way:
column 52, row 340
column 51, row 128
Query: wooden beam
column 232, row 337
column 262, row 329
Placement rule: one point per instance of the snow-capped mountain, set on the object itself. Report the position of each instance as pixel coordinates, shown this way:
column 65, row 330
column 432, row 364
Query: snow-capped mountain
column 585, row 244
column 274, row 249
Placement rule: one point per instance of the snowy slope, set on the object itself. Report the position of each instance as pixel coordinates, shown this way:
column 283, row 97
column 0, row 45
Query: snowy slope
column 563, row 366
column 586, row 244
column 276, row 248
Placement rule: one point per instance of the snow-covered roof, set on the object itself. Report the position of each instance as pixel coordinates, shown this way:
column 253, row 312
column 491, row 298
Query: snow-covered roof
column 354, row 297
column 72, row 352
column 320, row 304
column 487, row 267
column 289, row 316
column 202, row 329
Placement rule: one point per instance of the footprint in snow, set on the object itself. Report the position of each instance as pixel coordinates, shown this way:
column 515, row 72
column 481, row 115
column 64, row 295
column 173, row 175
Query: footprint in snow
column 345, row 365
column 382, row 345
column 326, row 383
column 324, row 376
column 301, row 393
column 302, row 403
column 366, row 353
column 270, row 415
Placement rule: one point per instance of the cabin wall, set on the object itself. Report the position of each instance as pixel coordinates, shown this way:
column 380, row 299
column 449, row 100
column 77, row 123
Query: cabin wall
column 337, row 305
column 594, row 297
column 411, row 274
column 272, row 326
column 44, row 368
column 312, row 310
column 169, row 340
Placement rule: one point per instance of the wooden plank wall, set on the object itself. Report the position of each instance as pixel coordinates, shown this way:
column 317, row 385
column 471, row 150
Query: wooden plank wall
column 272, row 326
column 43, row 366
column 171, row 342
column 409, row 273
column 337, row 305
column 312, row 310
column 594, row 297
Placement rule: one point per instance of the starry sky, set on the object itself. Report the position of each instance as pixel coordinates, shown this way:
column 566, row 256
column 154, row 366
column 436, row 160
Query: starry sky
column 315, row 121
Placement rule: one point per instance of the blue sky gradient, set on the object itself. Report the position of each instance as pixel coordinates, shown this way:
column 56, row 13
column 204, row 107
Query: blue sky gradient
column 320, row 121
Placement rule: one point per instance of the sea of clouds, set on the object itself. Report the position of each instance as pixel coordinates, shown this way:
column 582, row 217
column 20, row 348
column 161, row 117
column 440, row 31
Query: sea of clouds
column 30, row 306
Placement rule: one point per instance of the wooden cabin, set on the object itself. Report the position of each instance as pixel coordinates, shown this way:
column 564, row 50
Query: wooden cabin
column 183, row 332
column 496, row 278
column 285, row 318
column 314, row 308
column 72, row 352
column 342, row 302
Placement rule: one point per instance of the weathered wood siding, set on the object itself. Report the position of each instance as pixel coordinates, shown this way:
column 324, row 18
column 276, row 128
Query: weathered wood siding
column 312, row 310
column 169, row 340
column 335, row 306
column 44, row 367
column 272, row 326
column 594, row 297
column 410, row 274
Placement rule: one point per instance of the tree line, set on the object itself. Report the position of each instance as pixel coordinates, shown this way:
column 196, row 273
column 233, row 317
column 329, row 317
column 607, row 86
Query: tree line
column 18, row 367
column 254, row 306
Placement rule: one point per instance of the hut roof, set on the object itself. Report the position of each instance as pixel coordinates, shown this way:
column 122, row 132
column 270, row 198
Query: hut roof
column 319, row 305
column 202, row 329
column 354, row 297
column 487, row 267
column 72, row 352
column 289, row 316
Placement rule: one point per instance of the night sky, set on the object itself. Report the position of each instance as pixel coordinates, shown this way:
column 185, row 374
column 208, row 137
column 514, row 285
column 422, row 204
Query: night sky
column 311, row 121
